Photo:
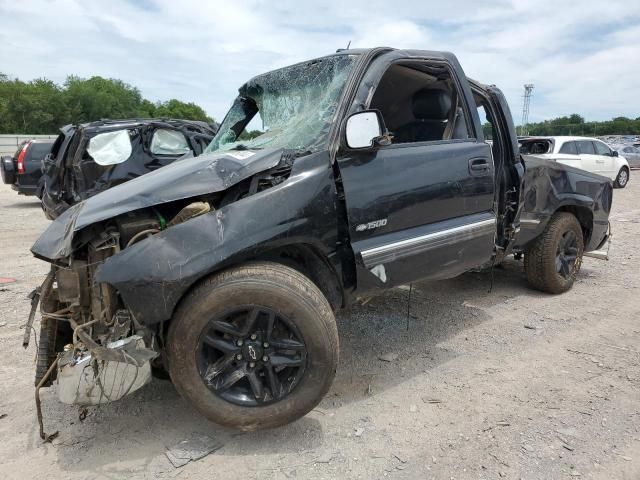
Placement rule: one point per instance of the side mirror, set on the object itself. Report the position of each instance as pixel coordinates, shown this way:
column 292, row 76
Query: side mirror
column 615, row 153
column 363, row 129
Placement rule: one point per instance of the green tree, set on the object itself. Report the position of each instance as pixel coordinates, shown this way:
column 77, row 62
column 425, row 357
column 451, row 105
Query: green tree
column 147, row 109
column 248, row 135
column 576, row 125
column 487, row 130
column 34, row 107
column 41, row 106
column 574, row 118
column 177, row 109
column 97, row 98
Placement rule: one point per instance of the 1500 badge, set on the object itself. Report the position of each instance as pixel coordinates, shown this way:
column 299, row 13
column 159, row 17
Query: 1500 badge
column 371, row 225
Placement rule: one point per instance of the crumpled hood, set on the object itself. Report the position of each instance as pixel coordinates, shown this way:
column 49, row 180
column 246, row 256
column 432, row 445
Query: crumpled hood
column 207, row 173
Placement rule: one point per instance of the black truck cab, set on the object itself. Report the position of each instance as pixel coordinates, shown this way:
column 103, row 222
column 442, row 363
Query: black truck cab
column 433, row 187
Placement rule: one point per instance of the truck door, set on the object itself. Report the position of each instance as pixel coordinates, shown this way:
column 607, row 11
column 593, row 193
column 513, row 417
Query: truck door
column 420, row 207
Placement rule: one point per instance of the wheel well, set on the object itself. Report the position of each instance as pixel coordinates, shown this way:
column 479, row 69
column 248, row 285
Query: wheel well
column 584, row 216
column 301, row 257
column 311, row 263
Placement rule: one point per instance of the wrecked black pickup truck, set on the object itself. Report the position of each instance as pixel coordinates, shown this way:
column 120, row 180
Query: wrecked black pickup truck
column 371, row 171
column 89, row 158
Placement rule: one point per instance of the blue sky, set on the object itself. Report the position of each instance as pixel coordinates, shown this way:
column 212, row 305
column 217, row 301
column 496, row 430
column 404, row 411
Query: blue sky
column 583, row 57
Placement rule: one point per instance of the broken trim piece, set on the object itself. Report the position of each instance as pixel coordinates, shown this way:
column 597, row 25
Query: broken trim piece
column 380, row 272
column 413, row 246
column 530, row 221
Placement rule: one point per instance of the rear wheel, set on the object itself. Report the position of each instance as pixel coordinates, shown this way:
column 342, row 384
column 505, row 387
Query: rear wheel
column 254, row 347
column 553, row 261
column 623, row 178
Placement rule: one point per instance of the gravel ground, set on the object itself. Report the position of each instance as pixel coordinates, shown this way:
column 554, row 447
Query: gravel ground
column 507, row 383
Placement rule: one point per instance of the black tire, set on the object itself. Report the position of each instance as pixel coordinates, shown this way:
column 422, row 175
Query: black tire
column 545, row 270
column 46, row 350
column 267, row 285
column 8, row 170
column 622, row 178
column 54, row 335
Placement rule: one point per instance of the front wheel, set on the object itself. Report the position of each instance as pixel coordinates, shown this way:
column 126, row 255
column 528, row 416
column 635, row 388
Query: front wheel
column 553, row 260
column 623, row 178
column 254, row 347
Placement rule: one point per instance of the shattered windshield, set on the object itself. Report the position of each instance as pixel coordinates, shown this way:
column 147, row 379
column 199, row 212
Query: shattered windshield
column 290, row 108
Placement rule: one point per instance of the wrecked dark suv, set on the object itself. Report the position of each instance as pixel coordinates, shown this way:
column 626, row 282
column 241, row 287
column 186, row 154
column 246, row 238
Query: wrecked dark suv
column 89, row 158
column 371, row 171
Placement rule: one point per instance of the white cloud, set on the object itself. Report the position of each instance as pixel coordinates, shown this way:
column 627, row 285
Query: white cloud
column 583, row 57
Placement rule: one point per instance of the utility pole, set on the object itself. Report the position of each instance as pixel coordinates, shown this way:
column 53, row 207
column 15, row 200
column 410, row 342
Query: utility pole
column 528, row 89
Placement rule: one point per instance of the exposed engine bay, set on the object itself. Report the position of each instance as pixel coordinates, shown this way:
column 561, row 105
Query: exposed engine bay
column 94, row 328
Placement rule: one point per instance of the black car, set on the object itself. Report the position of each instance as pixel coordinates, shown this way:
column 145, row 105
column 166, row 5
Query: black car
column 371, row 171
column 24, row 169
column 89, row 158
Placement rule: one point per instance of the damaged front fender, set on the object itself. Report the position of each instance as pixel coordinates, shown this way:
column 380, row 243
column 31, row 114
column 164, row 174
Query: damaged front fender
column 153, row 275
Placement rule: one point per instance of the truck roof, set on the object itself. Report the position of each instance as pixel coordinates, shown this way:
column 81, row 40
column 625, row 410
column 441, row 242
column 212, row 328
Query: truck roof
column 441, row 55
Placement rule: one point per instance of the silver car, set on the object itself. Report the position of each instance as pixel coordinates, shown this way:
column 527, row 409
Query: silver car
column 631, row 153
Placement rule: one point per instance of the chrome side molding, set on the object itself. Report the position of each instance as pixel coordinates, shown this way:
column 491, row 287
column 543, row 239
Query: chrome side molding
column 413, row 246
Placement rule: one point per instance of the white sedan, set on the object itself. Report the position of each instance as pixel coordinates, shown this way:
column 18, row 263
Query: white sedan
column 586, row 153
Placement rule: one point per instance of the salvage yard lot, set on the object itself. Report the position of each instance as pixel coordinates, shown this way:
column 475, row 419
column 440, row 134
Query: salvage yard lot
column 512, row 383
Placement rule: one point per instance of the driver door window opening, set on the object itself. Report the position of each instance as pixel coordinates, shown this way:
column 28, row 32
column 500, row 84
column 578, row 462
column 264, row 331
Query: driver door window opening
column 420, row 103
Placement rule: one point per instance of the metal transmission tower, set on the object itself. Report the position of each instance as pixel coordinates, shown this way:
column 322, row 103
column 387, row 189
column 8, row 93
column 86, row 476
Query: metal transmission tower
column 528, row 89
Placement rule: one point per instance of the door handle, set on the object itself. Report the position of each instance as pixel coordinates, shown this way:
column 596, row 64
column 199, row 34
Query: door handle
column 478, row 165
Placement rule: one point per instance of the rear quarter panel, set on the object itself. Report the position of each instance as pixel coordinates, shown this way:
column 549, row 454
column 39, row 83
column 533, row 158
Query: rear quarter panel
column 550, row 186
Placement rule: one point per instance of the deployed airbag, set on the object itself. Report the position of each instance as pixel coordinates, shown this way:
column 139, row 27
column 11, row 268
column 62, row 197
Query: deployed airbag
column 110, row 148
column 169, row 142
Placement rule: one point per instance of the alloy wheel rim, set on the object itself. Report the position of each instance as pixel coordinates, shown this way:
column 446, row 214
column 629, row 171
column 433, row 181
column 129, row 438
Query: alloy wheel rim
column 622, row 178
column 251, row 356
column 567, row 255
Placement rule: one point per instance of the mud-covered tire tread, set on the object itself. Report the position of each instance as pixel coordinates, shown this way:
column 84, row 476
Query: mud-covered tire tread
column 539, row 258
column 617, row 183
column 270, row 274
